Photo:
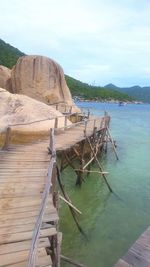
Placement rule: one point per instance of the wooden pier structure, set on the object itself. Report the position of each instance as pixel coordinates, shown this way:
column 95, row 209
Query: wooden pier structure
column 139, row 254
column 29, row 221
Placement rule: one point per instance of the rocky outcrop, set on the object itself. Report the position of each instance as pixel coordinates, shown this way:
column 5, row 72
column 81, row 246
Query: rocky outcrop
column 5, row 78
column 25, row 114
column 40, row 78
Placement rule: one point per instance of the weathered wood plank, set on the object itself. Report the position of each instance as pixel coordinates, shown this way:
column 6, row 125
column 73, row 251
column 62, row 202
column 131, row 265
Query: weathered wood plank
column 44, row 261
column 139, row 254
column 21, row 246
column 16, row 237
column 122, row 263
column 19, row 256
column 10, row 222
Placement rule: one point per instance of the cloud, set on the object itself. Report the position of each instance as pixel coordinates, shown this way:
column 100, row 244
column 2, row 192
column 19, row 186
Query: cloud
column 97, row 40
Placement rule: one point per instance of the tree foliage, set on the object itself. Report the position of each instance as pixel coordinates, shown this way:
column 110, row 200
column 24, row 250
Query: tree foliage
column 9, row 54
column 90, row 92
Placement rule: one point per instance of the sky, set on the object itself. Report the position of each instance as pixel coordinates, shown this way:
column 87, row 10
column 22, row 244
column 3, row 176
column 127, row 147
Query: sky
column 95, row 41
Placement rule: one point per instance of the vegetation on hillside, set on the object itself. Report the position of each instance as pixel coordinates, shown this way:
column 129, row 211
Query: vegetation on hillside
column 9, row 54
column 86, row 91
column 139, row 93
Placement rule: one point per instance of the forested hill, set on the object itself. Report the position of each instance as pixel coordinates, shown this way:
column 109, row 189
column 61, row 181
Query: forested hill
column 8, row 54
column 86, row 91
column 139, row 93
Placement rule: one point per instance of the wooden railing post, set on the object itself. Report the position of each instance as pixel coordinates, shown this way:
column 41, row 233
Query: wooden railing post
column 36, row 231
column 94, row 125
column 56, row 123
column 65, row 122
column 70, row 110
column 101, row 122
column 7, row 139
column 85, row 128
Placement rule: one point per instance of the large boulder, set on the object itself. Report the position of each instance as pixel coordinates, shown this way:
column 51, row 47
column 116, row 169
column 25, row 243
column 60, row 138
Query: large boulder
column 5, row 78
column 24, row 114
column 41, row 78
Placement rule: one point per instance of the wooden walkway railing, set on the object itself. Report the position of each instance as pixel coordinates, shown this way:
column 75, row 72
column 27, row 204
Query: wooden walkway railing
column 45, row 195
column 28, row 217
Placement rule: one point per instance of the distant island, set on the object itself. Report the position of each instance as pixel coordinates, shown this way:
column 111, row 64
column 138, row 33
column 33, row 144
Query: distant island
column 83, row 91
column 137, row 92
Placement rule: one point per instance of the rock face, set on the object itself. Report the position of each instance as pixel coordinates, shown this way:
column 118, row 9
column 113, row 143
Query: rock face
column 18, row 110
column 40, row 78
column 5, row 78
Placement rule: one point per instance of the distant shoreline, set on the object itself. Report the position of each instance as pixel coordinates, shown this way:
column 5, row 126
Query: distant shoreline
column 119, row 102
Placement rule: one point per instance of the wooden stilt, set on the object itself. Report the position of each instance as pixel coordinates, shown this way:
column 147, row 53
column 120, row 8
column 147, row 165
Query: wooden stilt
column 70, row 162
column 80, row 177
column 7, row 139
column 100, row 168
column 70, row 204
column 112, row 142
column 66, row 197
column 91, row 171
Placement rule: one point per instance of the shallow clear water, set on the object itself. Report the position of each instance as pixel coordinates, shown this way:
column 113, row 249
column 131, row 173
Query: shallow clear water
column 112, row 224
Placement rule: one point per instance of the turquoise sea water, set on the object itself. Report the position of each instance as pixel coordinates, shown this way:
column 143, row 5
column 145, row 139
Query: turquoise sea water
column 112, row 224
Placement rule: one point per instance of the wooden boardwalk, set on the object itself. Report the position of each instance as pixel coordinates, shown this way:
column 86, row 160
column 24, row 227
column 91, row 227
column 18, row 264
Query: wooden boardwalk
column 23, row 174
column 139, row 254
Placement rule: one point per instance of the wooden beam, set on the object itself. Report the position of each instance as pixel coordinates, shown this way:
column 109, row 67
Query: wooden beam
column 70, row 204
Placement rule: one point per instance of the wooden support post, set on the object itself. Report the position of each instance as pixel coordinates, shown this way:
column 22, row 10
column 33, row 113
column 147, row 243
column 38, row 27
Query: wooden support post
column 65, row 122
column 56, row 123
column 80, row 175
column 73, row 167
column 112, row 142
column 99, row 166
column 56, row 106
column 70, row 110
column 70, row 204
column 7, row 139
column 94, row 124
column 85, row 127
column 101, row 123
column 88, row 115
column 67, row 198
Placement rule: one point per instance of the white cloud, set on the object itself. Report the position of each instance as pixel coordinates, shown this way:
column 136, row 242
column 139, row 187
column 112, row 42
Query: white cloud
column 101, row 40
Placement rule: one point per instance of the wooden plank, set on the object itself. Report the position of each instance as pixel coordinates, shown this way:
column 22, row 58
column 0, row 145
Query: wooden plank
column 136, row 259
column 16, row 186
column 11, row 203
column 21, row 228
column 10, row 222
column 122, row 263
column 139, row 254
column 17, row 257
column 21, row 246
column 44, row 261
column 50, row 208
column 24, row 179
column 19, row 192
column 16, row 237
column 27, row 214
